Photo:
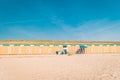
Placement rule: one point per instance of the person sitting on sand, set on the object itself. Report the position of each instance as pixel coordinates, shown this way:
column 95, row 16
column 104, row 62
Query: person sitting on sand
column 78, row 51
column 62, row 52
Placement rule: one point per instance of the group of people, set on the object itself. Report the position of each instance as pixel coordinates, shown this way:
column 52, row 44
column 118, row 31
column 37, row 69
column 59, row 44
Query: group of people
column 81, row 50
column 65, row 51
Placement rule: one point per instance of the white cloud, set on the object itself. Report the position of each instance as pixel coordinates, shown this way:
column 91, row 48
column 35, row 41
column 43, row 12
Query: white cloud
column 97, row 30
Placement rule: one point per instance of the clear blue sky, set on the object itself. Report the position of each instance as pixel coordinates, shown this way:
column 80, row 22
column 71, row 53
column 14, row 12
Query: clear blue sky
column 89, row 20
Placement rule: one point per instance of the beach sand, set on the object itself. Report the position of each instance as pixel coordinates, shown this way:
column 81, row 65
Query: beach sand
column 60, row 67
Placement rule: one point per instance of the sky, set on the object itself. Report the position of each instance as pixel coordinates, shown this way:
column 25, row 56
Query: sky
column 84, row 20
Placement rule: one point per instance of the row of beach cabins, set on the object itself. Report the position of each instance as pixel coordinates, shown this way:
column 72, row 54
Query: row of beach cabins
column 46, row 49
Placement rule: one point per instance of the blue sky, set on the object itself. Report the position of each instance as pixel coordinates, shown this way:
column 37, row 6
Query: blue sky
column 89, row 20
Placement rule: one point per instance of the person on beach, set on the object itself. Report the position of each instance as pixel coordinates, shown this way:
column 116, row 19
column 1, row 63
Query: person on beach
column 82, row 49
column 78, row 51
column 65, row 49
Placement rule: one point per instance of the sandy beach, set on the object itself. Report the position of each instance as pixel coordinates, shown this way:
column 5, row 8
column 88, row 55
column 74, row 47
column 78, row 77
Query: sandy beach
column 60, row 67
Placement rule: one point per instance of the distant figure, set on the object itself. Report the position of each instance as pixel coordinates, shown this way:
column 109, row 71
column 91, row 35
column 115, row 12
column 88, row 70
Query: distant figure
column 82, row 49
column 63, row 52
column 57, row 52
column 65, row 49
column 78, row 51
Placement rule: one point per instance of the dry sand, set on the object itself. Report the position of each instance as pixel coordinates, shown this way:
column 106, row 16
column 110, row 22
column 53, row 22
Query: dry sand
column 60, row 67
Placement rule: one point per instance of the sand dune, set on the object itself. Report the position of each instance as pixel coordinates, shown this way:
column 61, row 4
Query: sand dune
column 60, row 67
